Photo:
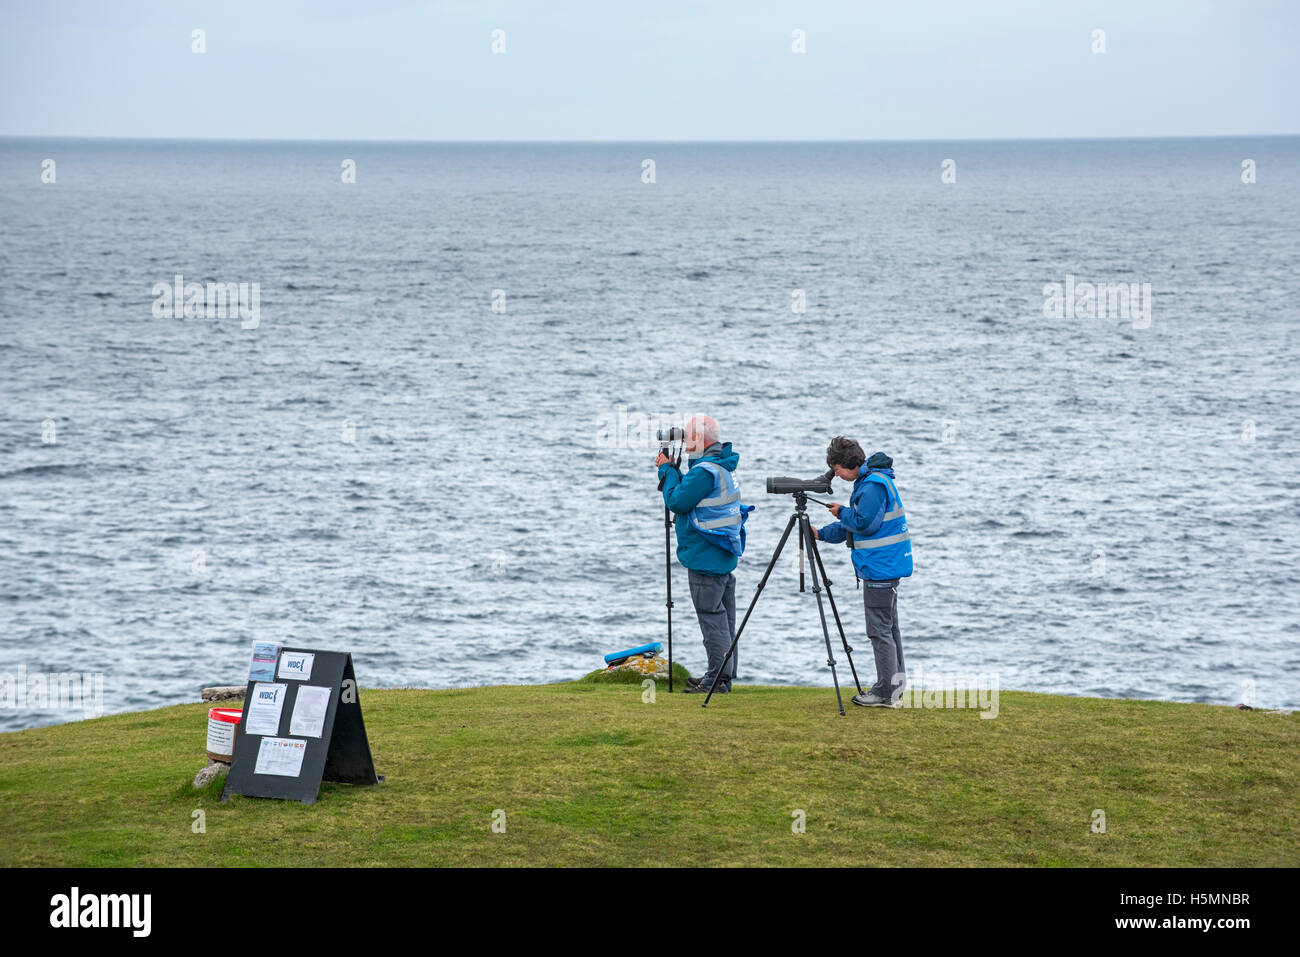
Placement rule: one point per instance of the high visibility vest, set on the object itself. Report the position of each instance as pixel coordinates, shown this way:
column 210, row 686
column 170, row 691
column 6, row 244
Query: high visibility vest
column 887, row 553
column 719, row 515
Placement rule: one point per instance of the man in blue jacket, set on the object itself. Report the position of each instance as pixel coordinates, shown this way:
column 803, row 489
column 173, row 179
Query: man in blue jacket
column 710, row 539
column 875, row 527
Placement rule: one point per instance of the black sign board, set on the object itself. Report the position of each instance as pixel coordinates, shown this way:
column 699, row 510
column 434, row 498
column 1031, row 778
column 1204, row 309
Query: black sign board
column 299, row 726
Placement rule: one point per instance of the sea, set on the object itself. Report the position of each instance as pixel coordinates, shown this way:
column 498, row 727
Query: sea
column 428, row 437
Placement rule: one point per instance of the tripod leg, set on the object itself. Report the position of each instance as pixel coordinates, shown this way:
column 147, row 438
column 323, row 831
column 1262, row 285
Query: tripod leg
column 752, row 602
column 805, row 529
column 848, row 651
column 668, row 577
column 802, row 559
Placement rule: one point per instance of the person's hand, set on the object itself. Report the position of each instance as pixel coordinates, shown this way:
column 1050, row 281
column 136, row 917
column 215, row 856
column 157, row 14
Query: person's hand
column 816, row 534
column 662, row 460
column 834, row 508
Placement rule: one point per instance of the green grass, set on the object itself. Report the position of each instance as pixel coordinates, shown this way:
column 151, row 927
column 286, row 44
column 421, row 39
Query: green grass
column 588, row 773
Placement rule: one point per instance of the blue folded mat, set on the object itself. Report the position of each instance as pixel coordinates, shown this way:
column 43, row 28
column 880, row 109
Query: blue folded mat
column 618, row 656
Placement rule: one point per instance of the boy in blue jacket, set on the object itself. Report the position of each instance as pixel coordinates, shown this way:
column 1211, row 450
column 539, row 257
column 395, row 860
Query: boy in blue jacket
column 875, row 528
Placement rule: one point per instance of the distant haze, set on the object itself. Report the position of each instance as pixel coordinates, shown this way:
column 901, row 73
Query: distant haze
column 648, row 71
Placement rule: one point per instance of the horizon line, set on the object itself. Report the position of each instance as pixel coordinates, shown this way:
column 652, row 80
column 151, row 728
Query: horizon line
column 619, row 142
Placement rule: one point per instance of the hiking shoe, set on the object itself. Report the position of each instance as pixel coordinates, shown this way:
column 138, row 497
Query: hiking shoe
column 692, row 682
column 872, row 700
column 698, row 688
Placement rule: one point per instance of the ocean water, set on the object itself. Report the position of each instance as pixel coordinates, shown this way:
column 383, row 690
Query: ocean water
column 461, row 496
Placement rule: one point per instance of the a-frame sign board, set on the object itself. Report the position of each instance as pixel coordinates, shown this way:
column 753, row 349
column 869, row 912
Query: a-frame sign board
column 301, row 725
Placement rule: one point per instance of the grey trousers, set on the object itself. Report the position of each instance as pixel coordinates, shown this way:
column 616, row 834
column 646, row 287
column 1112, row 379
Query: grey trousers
column 714, row 597
column 881, row 604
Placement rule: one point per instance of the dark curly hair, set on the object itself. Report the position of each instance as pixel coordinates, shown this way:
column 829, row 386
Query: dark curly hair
column 845, row 452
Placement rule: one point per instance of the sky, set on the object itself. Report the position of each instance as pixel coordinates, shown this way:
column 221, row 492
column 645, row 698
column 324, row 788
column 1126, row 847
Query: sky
column 651, row 70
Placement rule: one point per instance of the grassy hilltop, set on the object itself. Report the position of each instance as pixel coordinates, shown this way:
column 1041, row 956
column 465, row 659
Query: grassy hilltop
column 589, row 774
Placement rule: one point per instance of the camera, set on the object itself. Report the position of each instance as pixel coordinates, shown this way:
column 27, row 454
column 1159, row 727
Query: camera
column 667, row 437
column 784, row 485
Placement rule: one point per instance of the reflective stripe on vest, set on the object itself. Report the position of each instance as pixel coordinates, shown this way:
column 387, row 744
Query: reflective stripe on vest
column 720, row 522
column 880, row 542
column 721, row 499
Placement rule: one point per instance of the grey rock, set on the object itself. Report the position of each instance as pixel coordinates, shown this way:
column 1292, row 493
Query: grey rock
column 652, row 666
column 209, row 774
column 224, row 693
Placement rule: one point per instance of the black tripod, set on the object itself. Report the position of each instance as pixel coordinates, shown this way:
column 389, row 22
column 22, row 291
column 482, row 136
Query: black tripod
column 815, row 568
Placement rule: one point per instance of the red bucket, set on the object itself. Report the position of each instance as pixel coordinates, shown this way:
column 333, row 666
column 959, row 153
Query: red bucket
column 222, row 723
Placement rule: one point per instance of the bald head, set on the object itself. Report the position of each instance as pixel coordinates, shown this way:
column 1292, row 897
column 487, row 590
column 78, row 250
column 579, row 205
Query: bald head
column 701, row 432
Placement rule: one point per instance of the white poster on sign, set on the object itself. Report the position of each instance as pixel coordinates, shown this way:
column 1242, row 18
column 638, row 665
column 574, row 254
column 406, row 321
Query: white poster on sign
column 264, row 709
column 309, row 711
column 296, row 664
column 282, row 756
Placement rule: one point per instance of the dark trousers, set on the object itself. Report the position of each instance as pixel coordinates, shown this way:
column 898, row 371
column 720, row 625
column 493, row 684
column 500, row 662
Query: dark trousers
column 714, row 597
column 880, row 599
